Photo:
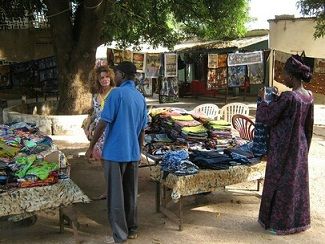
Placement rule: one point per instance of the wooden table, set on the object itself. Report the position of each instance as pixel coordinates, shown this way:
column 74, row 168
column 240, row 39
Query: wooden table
column 202, row 182
column 22, row 201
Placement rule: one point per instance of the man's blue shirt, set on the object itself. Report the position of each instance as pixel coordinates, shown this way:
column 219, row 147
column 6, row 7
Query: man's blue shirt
column 125, row 110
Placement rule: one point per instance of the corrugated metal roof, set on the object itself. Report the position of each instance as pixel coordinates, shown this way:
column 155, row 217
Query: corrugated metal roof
column 218, row 44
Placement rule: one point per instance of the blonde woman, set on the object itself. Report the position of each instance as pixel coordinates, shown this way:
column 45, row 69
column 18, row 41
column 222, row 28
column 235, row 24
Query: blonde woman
column 103, row 83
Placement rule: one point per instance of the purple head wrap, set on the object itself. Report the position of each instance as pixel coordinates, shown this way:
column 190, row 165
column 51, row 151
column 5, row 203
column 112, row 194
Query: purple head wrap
column 296, row 67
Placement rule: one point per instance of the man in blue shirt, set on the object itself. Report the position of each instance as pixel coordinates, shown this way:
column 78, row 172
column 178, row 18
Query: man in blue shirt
column 124, row 118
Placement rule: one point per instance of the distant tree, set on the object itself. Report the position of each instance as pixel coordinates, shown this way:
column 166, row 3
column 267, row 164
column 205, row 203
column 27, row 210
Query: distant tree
column 315, row 8
column 80, row 26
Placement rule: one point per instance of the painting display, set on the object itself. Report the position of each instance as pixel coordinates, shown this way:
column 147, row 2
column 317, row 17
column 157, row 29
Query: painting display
column 212, row 61
column 117, row 56
column 319, row 66
column 139, row 61
column 4, row 75
column 279, row 61
column 217, row 61
column 222, row 60
column 235, row 59
column 168, row 90
column 255, row 73
column 143, row 85
column 152, row 65
column 217, row 78
column 170, row 65
column 236, row 76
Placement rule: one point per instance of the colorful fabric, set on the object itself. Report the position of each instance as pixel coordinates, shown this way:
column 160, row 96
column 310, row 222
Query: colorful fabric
column 182, row 118
column 194, row 129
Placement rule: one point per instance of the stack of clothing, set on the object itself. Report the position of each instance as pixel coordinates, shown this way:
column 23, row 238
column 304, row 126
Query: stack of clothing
column 161, row 120
column 186, row 127
column 210, row 159
column 220, row 130
column 177, row 162
column 28, row 158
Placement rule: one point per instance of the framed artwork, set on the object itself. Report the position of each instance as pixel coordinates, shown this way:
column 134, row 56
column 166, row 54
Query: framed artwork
column 152, row 65
column 235, row 59
column 4, row 75
column 217, row 78
column 169, row 87
column 319, row 65
column 170, row 64
column 127, row 55
column 147, row 87
column 279, row 60
column 236, row 76
column 222, row 60
column 255, row 73
column 139, row 61
column 212, row 61
column 118, row 56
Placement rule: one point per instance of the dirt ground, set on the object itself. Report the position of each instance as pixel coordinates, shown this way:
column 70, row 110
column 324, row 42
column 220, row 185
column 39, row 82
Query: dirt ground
column 220, row 217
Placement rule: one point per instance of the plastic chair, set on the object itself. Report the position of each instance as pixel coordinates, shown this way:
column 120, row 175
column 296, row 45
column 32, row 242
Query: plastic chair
column 209, row 109
column 244, row 125
column 227, row 111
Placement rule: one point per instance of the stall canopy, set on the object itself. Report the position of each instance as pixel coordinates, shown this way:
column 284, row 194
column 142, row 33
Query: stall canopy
column 144, row 48
column 242, row 43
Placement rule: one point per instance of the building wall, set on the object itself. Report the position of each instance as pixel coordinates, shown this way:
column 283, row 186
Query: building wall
column 25, row 44
column 294, row 35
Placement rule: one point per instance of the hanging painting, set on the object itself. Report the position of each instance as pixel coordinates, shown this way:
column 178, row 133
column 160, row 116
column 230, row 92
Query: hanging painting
column 255, row 73
column 217, row 78
column 168, row 90
column 118, row 56
column 152, row 65
column 138, row 60
column 212, row 61
column 170, row 65
column 235, row 59
column 236, row 76
column 279, row 60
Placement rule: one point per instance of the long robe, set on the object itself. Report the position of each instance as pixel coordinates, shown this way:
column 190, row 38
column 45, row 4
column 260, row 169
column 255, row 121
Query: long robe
column 285, row 206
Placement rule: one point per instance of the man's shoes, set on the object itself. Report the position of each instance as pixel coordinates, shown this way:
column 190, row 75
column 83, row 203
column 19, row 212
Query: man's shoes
column 132, row 236
column 100, row 197
column 110, row 240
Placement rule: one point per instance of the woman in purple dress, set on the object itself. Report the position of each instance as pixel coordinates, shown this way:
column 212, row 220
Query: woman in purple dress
column 285, row 200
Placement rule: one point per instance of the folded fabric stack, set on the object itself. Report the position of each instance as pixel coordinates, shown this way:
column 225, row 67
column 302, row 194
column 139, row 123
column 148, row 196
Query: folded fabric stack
column 161, row 120
column 188, row 128
column 220, row 130
column 177, row 162
column 28, row 158
column 207, row 159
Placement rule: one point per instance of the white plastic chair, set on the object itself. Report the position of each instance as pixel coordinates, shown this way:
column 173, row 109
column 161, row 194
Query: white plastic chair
column 209, row 109
column 227, row 111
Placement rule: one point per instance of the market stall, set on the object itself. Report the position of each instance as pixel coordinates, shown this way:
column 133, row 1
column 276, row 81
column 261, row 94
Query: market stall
column 34, row 174
column 194, row 154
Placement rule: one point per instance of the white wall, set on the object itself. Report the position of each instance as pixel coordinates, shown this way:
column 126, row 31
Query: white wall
column 294, row 36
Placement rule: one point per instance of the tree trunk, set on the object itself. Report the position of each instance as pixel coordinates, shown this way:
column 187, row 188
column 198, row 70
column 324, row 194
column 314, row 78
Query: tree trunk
column 75, row 47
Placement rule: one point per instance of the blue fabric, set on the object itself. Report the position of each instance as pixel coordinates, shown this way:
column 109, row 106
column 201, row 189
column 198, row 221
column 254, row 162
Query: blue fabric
column 261, row 139
column 125, row 110
column 176, row 162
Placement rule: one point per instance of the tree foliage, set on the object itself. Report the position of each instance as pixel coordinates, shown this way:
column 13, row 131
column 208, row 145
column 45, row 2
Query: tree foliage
column 315, row 8
column 80, row 26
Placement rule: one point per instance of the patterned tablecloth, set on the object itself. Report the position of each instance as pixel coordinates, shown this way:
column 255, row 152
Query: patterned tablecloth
column 208, row 180
column 27, row 200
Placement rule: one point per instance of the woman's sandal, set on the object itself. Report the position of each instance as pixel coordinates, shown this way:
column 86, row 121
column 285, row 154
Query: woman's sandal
column 100, row 197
